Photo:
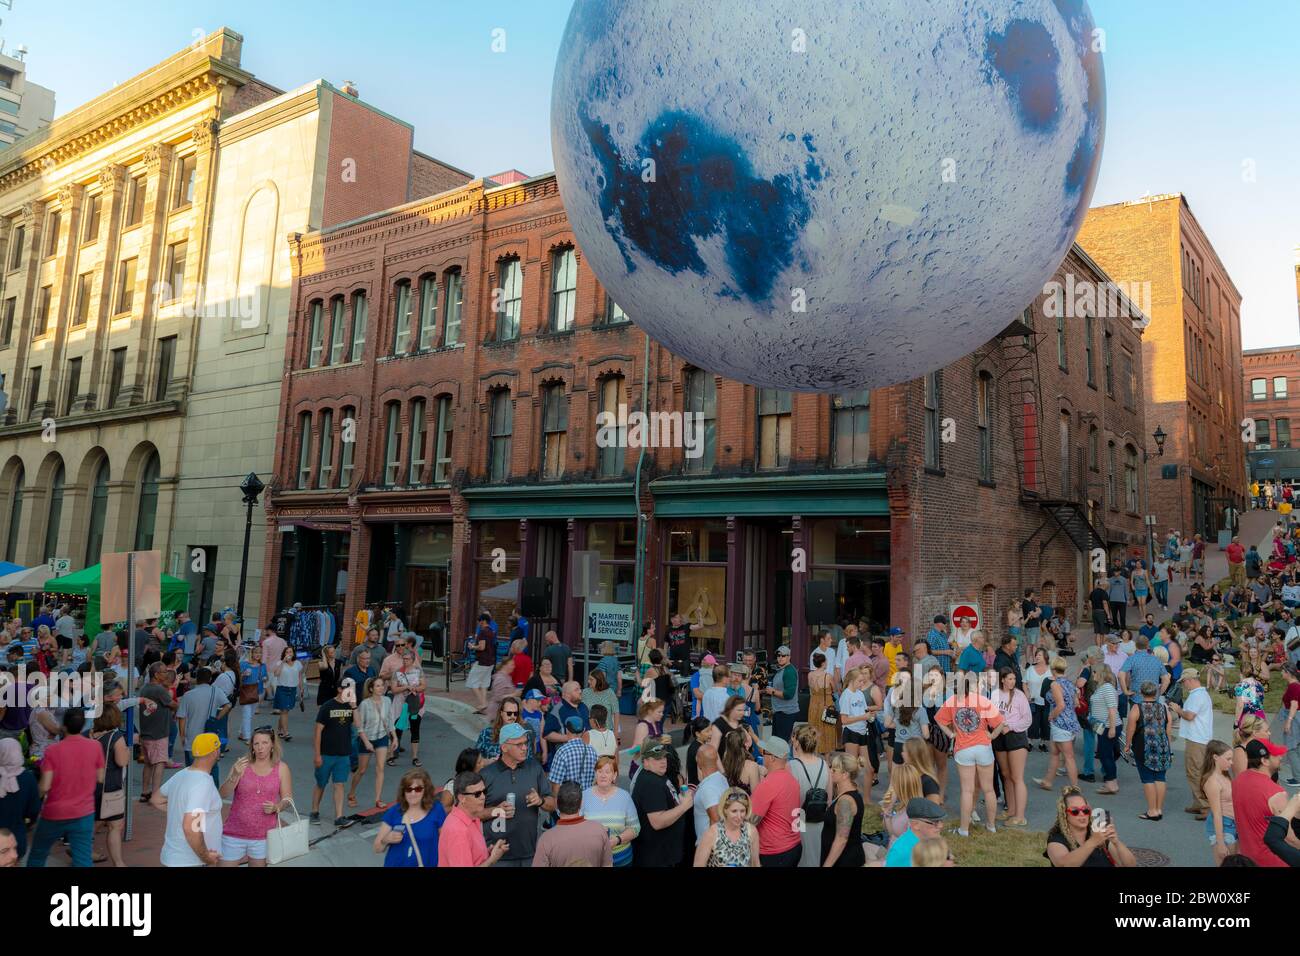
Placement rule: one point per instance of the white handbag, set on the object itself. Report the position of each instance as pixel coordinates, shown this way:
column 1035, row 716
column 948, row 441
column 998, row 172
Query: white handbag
column 287, row 842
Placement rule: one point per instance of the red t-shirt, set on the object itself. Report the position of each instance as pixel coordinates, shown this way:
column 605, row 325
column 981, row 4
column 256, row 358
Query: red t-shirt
column 776, row 800
column 1290, row 696
column 76, row 762
column 1236, row 553
column 523, row 669
column 1250, row 795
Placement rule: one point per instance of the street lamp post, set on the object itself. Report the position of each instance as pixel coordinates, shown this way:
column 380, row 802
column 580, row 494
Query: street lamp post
column 251, row 487
column 1150, row 519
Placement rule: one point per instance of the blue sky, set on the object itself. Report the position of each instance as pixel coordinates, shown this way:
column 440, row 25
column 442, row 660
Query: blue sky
column 1194, row 92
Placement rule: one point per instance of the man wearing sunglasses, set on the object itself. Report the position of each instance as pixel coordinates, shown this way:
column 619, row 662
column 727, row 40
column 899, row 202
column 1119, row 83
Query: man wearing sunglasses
column 518, row 791
column 461, row 841
column 924, row 822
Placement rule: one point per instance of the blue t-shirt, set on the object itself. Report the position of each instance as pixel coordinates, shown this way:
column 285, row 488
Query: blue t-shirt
column 971, row 660
column 900, row 854
column 567, row 710
column 252, row 674
column 426, row 837
column 697, row 706
column 1149, row 630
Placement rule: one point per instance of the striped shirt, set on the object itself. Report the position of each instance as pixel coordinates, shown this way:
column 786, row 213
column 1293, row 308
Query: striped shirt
column 615, row 813
column 1104, row 699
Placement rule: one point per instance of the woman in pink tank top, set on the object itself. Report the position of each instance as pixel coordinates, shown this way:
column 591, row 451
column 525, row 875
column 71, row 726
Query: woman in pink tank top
column 261, row 787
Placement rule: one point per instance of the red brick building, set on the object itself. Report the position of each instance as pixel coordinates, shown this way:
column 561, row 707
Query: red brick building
column 1191, row 354
column 443, row 444
column 1271, row 383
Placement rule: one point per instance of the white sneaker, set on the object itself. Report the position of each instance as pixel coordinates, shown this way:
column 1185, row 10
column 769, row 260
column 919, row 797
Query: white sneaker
column 974, row 816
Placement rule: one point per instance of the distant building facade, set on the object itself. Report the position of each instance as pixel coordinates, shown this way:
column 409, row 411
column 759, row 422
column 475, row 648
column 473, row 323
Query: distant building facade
column 25, row 107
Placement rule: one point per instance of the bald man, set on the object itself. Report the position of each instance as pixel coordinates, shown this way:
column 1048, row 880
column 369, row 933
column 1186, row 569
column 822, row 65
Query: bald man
column 572, row 706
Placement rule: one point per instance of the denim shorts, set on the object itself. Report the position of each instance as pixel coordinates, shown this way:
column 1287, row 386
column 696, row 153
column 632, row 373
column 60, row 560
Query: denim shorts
column 980, row 755
column 1229, row 829
column 335, row 769
column 1147, row 775
column 380, row 742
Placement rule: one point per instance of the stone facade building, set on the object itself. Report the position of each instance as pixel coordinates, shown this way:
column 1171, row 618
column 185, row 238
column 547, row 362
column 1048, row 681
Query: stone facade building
column 1191, row 354
column 448, row 446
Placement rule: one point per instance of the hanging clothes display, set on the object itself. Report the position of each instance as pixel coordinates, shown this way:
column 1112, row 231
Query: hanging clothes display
column 363, row 625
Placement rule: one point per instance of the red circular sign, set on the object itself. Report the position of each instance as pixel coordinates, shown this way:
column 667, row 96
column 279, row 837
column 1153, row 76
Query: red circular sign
column 965, row 610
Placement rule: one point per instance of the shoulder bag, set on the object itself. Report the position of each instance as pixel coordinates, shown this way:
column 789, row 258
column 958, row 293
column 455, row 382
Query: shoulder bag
column 112, row 803
column 285, row 843
column 415, row 844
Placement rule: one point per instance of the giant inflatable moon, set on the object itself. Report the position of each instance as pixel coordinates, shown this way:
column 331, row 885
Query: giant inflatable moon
column 821, row 196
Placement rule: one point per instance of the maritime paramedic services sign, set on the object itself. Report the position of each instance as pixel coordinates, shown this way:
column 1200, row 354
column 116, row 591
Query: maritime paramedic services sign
column 610, row 622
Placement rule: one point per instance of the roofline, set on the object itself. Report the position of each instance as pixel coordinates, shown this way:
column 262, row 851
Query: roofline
column 443, row 162
column 1271, row 349
column 1133, row 310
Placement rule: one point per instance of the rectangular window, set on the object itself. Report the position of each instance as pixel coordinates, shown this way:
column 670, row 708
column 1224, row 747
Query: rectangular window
column 1062, row 355
column 393, row 444
column 33, row 390
column 1279, row 387
column 1262, row 433
column 1284, row 433
column 325, row 467
column 1094, row 449
column 116, row 374
column 419, row 442
column 1258, row 389
column 609, row 458
column 125, row 286
column 1128, row 376
column 74, row 385
column 166, row 366
column 9, row 106
column 315, row 336
column 511, row 290
column 452, row 300
column 1111, row 496
column 1107, row 359
column 442, row 454
column 851, row 424
column 614, row 314
column 500, row 428
column 176, row 269
column 1130, row 481
column 52, row 223
column 1065, row 454
column 564, row 289
column 91, row 216
column 16, row 247
column 186, row 169
column 304, row 450
column 81, row 306
column 336, row 330
column 983, row 420
column 932, row 391
column 774, row 409
column 135, row 193
column 7, row 332
column 701, row 423
column 555, row 430
column 428, row 312
column 347, row 437
column 1088, row 332
column 358, row 326
column 43, row 297
column 401, row 317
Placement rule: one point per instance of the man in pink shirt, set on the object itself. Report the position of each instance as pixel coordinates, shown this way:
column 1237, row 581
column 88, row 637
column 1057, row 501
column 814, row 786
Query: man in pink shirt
column 70, row 771
column 273, row 646
column 776, row 803
column 460, row 842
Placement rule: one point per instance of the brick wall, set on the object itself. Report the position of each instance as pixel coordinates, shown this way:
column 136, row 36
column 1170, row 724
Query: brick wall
column 369, row 162
column 430, row 176
column 249, row 95
column 1270, row 364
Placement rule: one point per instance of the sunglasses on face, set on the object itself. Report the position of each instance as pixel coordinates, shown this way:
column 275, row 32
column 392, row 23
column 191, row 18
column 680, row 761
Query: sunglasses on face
column 1079, row 811
column 415, row 788
column 509, row 713
column 473, row 793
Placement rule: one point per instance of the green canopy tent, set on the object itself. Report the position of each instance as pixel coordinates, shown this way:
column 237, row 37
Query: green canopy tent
column 175, row 592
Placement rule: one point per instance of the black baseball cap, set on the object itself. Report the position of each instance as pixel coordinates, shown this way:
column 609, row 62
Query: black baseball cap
column 941, row 619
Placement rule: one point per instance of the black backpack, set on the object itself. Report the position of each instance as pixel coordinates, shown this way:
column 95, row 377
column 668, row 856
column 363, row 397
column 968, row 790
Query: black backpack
column 816, row 801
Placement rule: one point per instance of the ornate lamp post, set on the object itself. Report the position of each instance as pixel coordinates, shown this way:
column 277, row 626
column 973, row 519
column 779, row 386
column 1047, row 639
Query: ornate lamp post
column 251, row 487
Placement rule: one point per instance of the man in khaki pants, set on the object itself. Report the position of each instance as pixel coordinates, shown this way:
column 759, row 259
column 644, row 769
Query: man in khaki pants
column 1196, row 730
column 1236, row 562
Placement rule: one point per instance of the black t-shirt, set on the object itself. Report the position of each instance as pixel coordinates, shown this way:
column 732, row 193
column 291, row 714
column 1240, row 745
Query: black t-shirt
column 1029, row 608
column 336, row 738
column 929, row 786
column 652, row 793
column 488, row 655
column 1098, row 597
column 1196, row 599
column 558, row 655
column 1098, row 856
column 678, row 640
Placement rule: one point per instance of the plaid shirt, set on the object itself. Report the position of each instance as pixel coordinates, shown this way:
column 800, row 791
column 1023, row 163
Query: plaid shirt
column 938, row 641
column 1142, row 667
column 575, row 760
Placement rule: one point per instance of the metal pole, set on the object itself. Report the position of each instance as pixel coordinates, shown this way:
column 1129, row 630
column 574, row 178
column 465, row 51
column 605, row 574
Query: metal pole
column 243, row 567
column 130, row 682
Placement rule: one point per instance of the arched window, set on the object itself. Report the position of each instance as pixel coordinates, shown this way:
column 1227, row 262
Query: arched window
column 55, row 515
column 442, row 453
column 98, row 511
column 1130, row 479
column 564, row 288
column 337, row 330
column 510, row 282
column 325, row 466
column 358, row 326
column 304, row 450
column 984, row 423
column 147, row 510
column 347, row 435
column 315, row 335
column 392, row 443
column 428, row 312
column 15, row 514
column 401, row 317
column 611, row 439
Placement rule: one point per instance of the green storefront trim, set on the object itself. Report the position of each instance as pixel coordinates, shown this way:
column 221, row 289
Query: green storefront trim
column 828, row 493
column 604, row 500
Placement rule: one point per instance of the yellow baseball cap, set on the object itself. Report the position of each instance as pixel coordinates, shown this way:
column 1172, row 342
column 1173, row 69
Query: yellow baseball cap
column 205, row 744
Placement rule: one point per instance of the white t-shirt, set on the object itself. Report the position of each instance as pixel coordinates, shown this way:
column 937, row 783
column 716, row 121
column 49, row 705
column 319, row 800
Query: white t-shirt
column 288, row 674
column 853, row 703
column 961, row 638
column 714, row 699
column 190, row 791
column 707, row 794
column 1034, row 682
column 603, row 742
column 1200, row 730
column 841, row 657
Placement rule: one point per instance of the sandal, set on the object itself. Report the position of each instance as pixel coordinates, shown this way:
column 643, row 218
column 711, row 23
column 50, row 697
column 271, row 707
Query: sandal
column 1042, row 785
column 380, row 805
column 1146, row 816
column 392, row 761
column 1107, row 793
column 416, row 762
column 286, row 737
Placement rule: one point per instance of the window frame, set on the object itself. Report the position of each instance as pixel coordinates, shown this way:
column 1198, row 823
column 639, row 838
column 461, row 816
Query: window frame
column 126, row 278
column 848, row 405
column 401, row 318
column 444, row 439
column 555, row 422
column 418, row 430
column 303, row 480
column 700, row 396
column 452, row 281
column 774, row 406
column 510, row 278
column 500, row 434
column 428, row 324
column 564, row 300
column 357, row 347
column 325, row 453
column 392, row 443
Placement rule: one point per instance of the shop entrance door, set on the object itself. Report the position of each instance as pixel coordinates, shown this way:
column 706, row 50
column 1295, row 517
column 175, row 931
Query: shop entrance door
column 768, row 584
column 429, row 591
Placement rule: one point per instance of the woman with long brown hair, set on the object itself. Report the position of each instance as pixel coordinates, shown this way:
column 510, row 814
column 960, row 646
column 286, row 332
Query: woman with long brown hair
column 408, row 835
column 821, row 695
column 1216, row 784
column 107, row 730
column 487, row 744
column 737, row 766
column 375, row 730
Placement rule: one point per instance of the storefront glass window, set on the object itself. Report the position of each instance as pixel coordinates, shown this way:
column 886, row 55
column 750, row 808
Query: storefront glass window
column 615, row 540
column 851, row 541
column 860, row 595
column 498, row 590
column 697, row 541
column 698, row 593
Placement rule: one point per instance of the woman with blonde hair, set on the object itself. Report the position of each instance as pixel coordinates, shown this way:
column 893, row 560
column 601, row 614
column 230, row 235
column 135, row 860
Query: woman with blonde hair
column 1072, row 841
column 733, row 840
column 810, row 771
column 919, row 754
column 860, row 702
column 260, row 787
column 931, row 852
column 842, row 835
column 1216, row 784
column 1060, row 696
column 904, row 784
column 1252, row 726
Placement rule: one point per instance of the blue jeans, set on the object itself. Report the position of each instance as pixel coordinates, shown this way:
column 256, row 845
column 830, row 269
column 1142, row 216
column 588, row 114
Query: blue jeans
column 1108, row 753
column 216, row 774
column 1162, row 593
column 80, row 832
column 1089, row 748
